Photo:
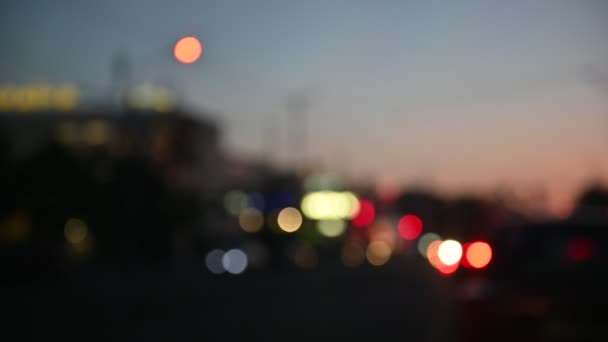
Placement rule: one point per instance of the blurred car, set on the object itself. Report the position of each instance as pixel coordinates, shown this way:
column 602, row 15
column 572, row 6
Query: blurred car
column 546, row 282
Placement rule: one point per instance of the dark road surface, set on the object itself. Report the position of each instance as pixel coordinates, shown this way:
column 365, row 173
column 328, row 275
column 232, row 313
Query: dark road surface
column 405, row 299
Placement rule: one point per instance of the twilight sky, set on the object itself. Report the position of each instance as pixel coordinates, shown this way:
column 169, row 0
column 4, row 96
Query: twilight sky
column 465, row 95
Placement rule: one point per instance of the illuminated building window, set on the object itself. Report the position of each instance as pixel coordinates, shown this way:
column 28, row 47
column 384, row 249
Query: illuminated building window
column 39, row 97
column 148, row 97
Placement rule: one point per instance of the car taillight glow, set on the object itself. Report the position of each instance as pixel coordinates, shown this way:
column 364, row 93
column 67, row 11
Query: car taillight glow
column 478, row 254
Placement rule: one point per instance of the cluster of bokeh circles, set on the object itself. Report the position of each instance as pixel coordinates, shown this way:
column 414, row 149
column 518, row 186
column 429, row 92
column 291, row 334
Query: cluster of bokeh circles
column 364, row 234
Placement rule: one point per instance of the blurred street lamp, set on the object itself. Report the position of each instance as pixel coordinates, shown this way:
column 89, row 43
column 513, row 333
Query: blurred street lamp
column 188, row 50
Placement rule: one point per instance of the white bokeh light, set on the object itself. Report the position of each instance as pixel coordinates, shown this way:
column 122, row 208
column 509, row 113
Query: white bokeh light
column 235, row 261
column 213, row 260
column 450, row 252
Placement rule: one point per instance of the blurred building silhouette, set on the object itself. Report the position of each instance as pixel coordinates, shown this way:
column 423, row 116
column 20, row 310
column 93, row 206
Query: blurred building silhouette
column 105, row 185
column 592, row 205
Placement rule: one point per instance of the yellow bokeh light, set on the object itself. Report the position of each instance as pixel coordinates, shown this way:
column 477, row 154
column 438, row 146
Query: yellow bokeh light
column 378, row 253
column 329, row 205
column 354, row 205
column 331, row 228
column 151, row 97
column 251, row 220
column 449, row 252
column 289, row 220
column 75, row 231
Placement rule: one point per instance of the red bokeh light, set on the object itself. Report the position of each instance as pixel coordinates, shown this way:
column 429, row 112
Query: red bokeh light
column 464, row 262
column 580, row 249
column 446, row 270
column 478, row 254
column 410, row 227
column 366, row 214
column 431, row 252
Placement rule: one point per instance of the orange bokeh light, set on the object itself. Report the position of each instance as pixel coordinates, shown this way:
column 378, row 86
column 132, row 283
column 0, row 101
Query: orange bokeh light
column 478, row 254
column 431, row 253
column 188, row 50
column 464, row 261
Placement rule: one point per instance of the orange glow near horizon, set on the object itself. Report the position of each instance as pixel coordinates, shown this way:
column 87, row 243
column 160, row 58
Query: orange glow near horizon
column 188, row 50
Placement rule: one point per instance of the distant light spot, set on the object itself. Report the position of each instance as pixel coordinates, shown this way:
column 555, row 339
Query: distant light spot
column 235, row 261
column 410, row 227
column 425, row 241
column 478, row 254
column 366, row 214
column 251, row 220
column 235, row 201
column 431, row 253
column 331, row 228
column 188, row 50
column 449, row 252
column 289, row 219
column 75, row 231
column 213, row 260
column 378, row 253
